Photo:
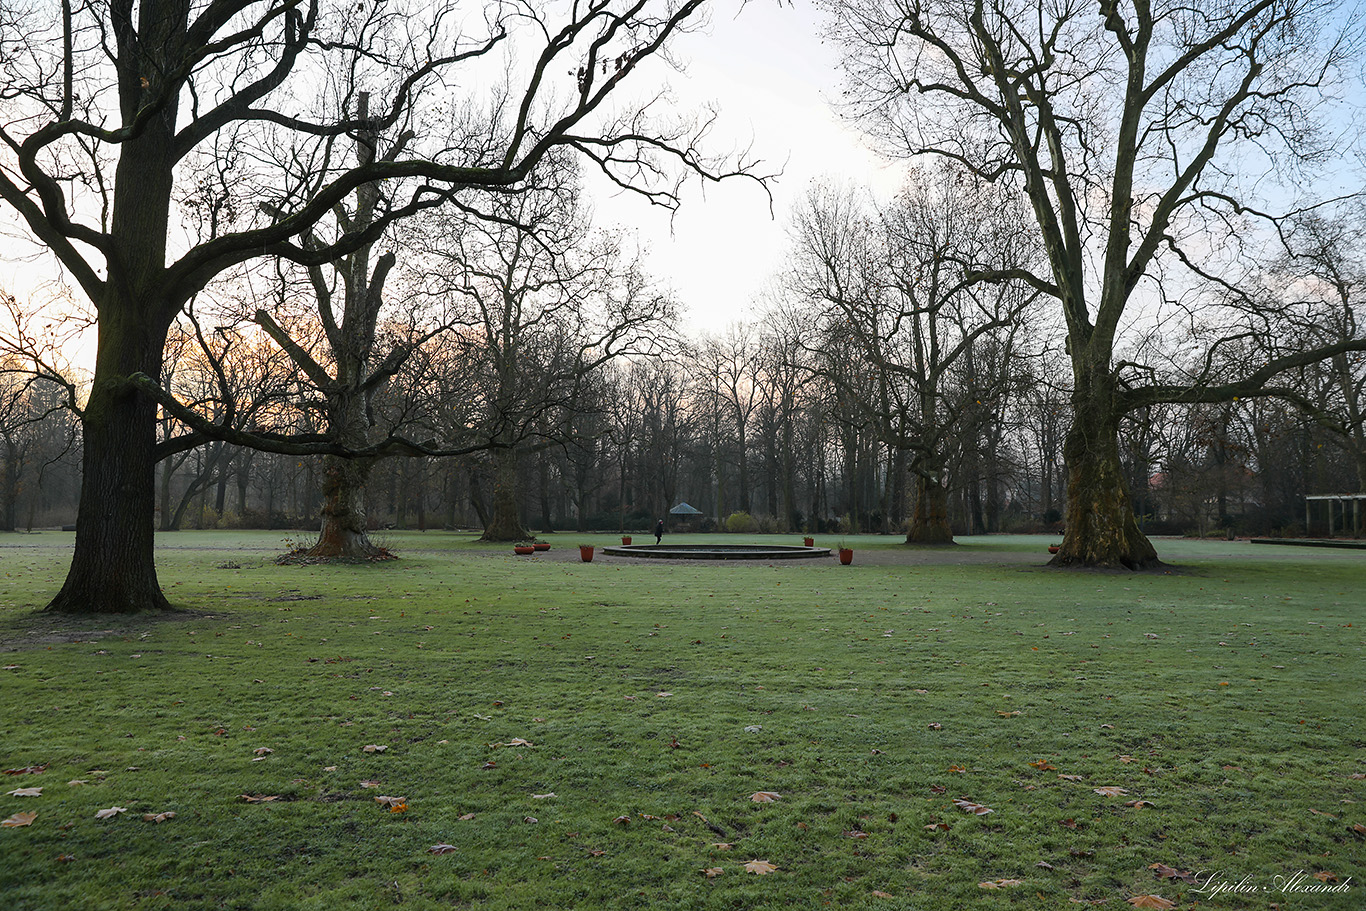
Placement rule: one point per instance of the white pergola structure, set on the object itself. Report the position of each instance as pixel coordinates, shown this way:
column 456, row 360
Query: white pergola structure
column 1333, row 499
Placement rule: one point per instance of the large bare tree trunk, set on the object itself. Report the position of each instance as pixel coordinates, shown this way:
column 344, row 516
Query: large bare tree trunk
column 504, row 524
column 112, row 569
column 343, row 533
column 930, row 520
column 1100, row 526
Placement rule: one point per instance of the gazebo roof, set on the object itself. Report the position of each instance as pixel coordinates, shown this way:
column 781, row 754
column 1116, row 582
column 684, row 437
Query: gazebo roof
column 683, row 509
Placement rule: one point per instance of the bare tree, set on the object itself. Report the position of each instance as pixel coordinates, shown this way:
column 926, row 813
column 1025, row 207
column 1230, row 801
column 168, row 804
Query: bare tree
column 1126, row 127
column 109, row 109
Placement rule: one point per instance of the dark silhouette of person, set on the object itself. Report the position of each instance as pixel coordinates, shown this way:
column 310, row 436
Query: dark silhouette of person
column 659, row 531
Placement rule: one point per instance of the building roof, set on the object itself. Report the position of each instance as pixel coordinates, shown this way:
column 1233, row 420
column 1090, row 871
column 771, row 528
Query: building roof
column 683, row 509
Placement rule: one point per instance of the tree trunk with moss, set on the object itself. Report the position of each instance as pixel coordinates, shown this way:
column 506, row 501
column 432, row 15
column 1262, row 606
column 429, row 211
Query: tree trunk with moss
column 505, row 523
column 1101, row 529
column 930, row 519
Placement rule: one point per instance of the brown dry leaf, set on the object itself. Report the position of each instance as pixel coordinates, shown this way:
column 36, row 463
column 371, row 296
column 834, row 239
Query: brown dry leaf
column 967, row 806
column 760, row 867
column 936, row 726
column 1008, row 714
column 27, row 770
column 855, row 833
column 956, row 768
column 937, row 826
column 712, row 872
column 370, row 783
column 110, row 812
column 622, row 820
column 1151, row 901
column 391, row 802
column 1139, row 804
column 663, row 695
column 373, row 748
column 263, row 751
column 765, row 796
column 1110, row 791
column 1068, row 823
column 1072, row 777
column 722, row 845
column 879, row 894
column 26, row 792
column 465, row 817
column 19, row 819
column 399, row 808
column 1126, row 759
column 1000, row 884
column 158, row 817
column 1321, row 813
column 543, row 796
column 1043, row 765
column 921, row 692
column 442, row 849
column 1355, row 776
column 1359, row 829
column 259, row 798
column 1325, row 876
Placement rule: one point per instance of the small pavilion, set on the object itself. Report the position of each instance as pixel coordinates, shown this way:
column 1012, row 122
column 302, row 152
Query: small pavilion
column 684, row 516
column 1337, row 502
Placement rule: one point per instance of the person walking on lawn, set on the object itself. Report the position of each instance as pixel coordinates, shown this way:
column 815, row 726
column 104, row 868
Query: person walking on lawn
column 659, row 531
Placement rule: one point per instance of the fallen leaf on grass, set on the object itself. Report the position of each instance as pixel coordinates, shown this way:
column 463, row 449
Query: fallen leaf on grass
column 65, row 858
column 722, row 846
column 158, row 817
column 622, row 820
column 1139, row 804
column 27, row 770
column 373, row 748
column 465, row 817
column 967, row 806
column 1110, row 792
column 1324, row 876
column 765, row 796
column 1151, row 901
column 542, row 796
column 1069, row 823
column 1321, row 813
column 391, row 802
column 110, row 812
column 1043, row 765
column 712, row 872
column 956, row 768
column 1008, row 714
column 854, row 833
column 1000, row 883
column 1044, row 865
column 442, row 849
column 514, row 742
column 936, row 726
column 259, row 798
column 663, row 695
column 19, row 819
column 1162, row 871
column 77, row 781
column 1072, row 777
column 26, row 792
column 760, row 867
column 370, row 783
column 938, row 826
column 263, row 751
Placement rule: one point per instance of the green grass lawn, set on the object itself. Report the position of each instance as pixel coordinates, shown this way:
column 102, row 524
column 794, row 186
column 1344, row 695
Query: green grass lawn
column 589, row 735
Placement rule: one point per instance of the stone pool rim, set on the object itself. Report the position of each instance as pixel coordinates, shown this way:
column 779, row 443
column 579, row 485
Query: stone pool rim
column 717, row 551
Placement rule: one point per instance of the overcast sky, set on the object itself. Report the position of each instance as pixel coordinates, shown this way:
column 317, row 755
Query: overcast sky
column 771, row 80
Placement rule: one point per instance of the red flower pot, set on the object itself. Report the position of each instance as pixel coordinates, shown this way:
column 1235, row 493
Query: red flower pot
column 586, row 553
column 625, row 539
column 539, row 546
column 1053, row 548
column 809, row 542
column 524, row 549
column 846, row 555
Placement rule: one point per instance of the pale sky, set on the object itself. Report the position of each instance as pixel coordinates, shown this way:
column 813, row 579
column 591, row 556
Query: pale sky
column 771, row 78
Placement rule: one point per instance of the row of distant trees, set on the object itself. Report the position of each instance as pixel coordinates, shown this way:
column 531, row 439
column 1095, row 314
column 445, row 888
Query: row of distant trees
column 847, row 404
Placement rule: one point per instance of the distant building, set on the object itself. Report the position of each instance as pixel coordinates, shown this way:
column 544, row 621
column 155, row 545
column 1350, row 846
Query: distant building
column 684, row 517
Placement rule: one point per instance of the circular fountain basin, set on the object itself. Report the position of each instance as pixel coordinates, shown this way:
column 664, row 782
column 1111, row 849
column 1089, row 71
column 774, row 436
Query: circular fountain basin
column 718, row 551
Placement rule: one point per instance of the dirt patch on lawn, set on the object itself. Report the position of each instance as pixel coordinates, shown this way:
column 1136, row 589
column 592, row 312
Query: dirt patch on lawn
column 39, row 629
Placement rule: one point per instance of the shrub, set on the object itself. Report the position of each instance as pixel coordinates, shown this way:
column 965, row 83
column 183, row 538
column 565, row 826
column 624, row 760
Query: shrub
column 741, row 523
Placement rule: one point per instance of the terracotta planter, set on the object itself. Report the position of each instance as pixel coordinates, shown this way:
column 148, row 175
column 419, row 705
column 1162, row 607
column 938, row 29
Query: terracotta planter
column 809, row 542
column 1053, row 548
column 586, row 553
column 625, row 539
column 846, row 555
column 524, row 549
column 541, row 546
